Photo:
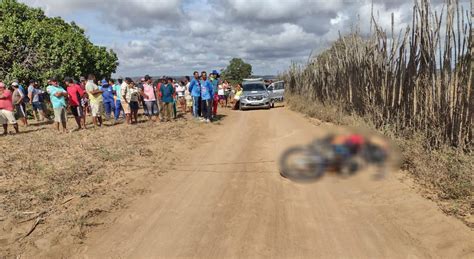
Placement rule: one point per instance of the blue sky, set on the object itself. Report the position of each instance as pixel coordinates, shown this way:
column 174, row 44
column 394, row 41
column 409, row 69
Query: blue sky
column 176, row 37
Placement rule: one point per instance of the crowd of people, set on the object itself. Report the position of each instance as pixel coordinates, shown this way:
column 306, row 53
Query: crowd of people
column 121, row 99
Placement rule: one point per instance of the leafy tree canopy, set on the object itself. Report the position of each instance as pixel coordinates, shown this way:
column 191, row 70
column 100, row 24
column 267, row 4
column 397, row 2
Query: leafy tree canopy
column 237, row 70
column 34, row 46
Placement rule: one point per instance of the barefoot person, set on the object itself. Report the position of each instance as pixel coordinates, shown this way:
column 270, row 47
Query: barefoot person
column 96, row 101
column 58, row 99
column 75, row 94
column 6, row 109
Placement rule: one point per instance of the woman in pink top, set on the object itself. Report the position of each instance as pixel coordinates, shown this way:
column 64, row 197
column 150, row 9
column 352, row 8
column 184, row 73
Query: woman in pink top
column 149, row 96
column 6, row 109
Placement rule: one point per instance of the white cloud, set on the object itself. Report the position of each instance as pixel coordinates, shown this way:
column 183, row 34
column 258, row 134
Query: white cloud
column 124, row 14
column 180, row 36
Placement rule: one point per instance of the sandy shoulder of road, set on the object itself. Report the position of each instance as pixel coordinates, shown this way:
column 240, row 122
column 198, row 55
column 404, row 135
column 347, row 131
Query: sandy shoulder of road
column 55, row 188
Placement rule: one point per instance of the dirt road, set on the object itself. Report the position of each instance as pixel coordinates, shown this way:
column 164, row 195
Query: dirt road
column 226, row 199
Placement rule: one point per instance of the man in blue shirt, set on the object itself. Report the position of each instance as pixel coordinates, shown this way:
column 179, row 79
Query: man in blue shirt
column 207, row 94
column 195, row 90
column 108, row 97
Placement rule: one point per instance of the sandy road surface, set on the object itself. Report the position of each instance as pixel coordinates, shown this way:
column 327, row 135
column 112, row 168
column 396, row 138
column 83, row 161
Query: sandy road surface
column 226, row 199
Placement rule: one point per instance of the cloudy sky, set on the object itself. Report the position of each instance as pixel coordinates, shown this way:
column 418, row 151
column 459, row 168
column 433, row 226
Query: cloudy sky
column 176, row 37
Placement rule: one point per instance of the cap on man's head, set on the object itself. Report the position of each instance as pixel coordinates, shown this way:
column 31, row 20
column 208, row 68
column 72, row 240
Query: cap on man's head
column 142, row 79
column 215, row 72
column 82, row 79
column 2, row 85
column 104, row 82
column 15, row 84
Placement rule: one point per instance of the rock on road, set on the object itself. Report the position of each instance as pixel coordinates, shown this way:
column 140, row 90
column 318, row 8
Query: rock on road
column 227, row 200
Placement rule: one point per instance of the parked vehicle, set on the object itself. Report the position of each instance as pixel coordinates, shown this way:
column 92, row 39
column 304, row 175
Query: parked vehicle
column 255, row 95
column 277, row 92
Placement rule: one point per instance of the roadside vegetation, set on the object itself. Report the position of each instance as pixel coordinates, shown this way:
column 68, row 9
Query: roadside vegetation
column 34, row 46
column 414, row 86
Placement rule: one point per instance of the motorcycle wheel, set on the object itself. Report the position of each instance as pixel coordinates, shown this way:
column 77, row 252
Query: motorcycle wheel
column 302, row 165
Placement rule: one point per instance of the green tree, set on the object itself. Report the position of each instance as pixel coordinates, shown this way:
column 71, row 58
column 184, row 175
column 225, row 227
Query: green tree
column 34, row 46
column 237, row 70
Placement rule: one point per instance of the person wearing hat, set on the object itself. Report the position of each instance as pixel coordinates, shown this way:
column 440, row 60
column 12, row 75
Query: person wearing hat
column 58, row 99
column 22, row 89
column 6, row 109
column 18, row 98
column 149, row 98
column 108, row 97
column 96, row 100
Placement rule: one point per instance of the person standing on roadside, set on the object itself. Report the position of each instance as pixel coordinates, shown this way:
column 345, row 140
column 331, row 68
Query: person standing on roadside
column 227, row 91
column 207, row 94
column 108, row 97
column 96, row 100
column 238, row 94
column 18, row 99
column 141, row 97
column 75, row 94
column 135, row 94
column 36, row 100
column 130, row 98
column 160, row 83
column 180, row 90
column 117, row 89
column 149, row 96
column 58, row 100
column 84, row 101
column 166, row 92
column 125, row 98
column 215, row 87
column 175, row 99
column 195, row 90
column 6, row 110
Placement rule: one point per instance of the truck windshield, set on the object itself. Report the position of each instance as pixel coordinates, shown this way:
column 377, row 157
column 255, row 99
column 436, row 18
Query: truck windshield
column 254, row 87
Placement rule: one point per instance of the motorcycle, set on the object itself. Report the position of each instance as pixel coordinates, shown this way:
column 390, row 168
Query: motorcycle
column 310, row 163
